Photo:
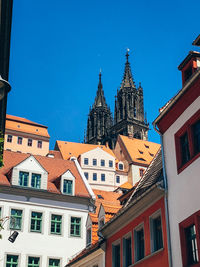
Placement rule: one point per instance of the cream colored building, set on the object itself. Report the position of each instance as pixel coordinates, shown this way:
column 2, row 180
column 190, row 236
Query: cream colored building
column 22, row 135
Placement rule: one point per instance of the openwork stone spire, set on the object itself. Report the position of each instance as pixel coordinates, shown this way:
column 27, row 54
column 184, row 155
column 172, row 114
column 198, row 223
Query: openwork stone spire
column 100, row 100
column 128, row 78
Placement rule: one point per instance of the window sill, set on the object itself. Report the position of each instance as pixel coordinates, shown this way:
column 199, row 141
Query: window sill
column 180, row 169
column 147, row 257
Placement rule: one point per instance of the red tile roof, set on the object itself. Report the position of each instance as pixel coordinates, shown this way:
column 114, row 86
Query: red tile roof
column 55, row 168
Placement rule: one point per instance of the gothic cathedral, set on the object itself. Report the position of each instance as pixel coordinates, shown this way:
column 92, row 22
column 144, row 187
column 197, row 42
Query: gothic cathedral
column 129, row 118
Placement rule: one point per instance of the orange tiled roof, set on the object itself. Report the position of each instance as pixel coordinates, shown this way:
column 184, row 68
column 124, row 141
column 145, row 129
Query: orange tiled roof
column 69, row 149
column 23, row 125
column 54, row 167
column 55, row 154
column 126, row 185
column 140, row 151
column 111, row 203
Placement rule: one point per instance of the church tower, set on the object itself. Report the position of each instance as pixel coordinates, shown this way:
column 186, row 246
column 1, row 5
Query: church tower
column 99, row 118
column 129, row 118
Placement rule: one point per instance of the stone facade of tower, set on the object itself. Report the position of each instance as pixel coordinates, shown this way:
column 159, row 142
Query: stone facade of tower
column 129, row 118
column 99, row 118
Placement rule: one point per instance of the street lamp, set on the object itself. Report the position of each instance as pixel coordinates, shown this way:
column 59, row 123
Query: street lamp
column 4, row 88
column 14, row 234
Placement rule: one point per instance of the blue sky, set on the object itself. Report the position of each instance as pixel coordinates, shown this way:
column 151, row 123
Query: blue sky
column 58, row 47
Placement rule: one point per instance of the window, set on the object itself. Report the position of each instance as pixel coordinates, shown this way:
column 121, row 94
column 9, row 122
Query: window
column 117, row 179
column 190, row 235
column 23, row 178
column 139, row 243
column 141, row 172
column 94, row 177
column 12, row 261
column 121, row 166
column 86, row 175
column 156, row 233
column 127, row 251
column 39, row 144
column 101, row 223
column 16, row 219
column 19, row 140
column 94, row 161
column 86, row 161
column 103, row 177
column 89, row 237
column 30, row 141
column 67, row 187
column 187, row 142
column 33, row 262
column 110, row 163
column 56, row 224
column 116, row 255
column 102, row 162
column 36, row 180
column 54, row 263
column 75, row 229
column 36, row 222
column 9, row 138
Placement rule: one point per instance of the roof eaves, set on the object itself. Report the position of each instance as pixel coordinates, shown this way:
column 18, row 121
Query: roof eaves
column 176, row 97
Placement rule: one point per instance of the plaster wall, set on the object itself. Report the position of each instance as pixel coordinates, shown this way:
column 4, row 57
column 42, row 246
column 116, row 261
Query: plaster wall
column 44, row 245
column 135, row 170
column 183, row 188
column 24, row 148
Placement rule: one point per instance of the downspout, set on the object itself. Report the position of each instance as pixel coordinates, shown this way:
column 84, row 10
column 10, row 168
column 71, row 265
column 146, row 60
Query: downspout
column 166, row 200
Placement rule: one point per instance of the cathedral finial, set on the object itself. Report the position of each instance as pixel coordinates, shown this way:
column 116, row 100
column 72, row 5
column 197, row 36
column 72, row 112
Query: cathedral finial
column 127, row 54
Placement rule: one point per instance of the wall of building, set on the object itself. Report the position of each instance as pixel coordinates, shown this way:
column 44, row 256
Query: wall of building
column 24, row 148
column 135, row 170
column 181, row 186
column 156, row 259
column 44, row 245
column 110, row 172
column 94, row 259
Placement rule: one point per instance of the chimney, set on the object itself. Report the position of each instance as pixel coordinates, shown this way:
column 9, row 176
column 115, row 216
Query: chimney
column 189, row 65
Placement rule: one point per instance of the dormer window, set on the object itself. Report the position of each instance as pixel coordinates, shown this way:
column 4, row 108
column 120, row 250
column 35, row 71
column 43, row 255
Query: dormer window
column 36, row 180
column 121, row 166
column 23, row 178
column 67, row 187
column 89, row 237
column 101, row 223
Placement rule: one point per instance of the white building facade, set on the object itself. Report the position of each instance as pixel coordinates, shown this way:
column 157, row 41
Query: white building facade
column 47, row 201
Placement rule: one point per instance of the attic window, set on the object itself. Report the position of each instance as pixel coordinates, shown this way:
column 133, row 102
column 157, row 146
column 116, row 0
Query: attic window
column 151, row 154
column 141, row 159
column 146, row 146
column 18, row 126
column 141, row 152
column 100, row 197
column 36, row 130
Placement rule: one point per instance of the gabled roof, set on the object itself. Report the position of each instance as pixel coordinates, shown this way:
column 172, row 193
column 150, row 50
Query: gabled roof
column 72, row 149
column 139, row 151
column 23, row 125
column 55, row 168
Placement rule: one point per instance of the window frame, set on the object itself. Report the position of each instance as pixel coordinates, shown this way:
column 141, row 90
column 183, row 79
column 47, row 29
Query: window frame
column 18, row 140
column 52, row 258
column 61, row 224
column 34, row 256
column 86, row 161
column 135, row 231
column 15, row 255
column 72, row 186
column 94, row 174
column 125, row 237
column 117, row 177
column 89, row 242
column 121, row 164
column 81, row 220
column 154, row 216
column 102, row 162
column 9, row 137
column 30, row 142
column 23, row 179
column 94, row 162
column 103, row 177
column 110, row 163
column 86, row 175
column 186, row 129
column 41, row 224
column 39, row 144
column 114, row 244
column 21, row 223
column 194, row 219
column 36, row 174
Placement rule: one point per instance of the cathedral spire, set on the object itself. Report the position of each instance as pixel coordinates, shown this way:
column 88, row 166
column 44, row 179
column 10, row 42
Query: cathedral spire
column 128, row 78
column 100, row 98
